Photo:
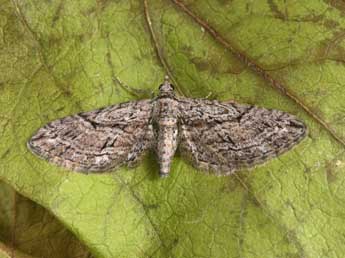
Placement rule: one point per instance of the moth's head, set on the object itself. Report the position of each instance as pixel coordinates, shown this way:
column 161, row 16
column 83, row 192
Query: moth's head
column 166, row 87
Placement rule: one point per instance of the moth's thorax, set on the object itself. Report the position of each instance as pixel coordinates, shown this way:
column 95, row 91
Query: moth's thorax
column 167, row 130
column 166, row 107
column 166, row 94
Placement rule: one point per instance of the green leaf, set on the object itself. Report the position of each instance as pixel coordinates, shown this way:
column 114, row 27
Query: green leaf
column 8, row 252
column 62, row 57
column 27, row 230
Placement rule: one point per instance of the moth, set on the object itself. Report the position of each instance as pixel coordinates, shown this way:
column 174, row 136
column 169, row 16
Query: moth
column 221, row 137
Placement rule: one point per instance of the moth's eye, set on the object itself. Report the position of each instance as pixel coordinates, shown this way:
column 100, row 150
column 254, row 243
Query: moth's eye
column 172, row 86
column 160, row 86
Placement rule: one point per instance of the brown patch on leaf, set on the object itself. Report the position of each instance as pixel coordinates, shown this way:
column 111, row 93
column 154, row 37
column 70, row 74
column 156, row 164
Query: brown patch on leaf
column 102, row 4
column 312, row 18
column 337, row 4
column 57, row 14
column 201, row 64
column 225, row 2
column 255, row 200
column 34, row 231
column 275, row 10
column 230, row 185
column 151, row 206
column 332, row 48
column 2, row 84
column 213, row 65
column 339, row 118
column 5, row 153
column 330, row 24
column 330, row 173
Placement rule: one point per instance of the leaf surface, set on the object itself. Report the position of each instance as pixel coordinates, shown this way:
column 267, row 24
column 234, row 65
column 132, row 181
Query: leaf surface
column 62, row 57
column 27, row 230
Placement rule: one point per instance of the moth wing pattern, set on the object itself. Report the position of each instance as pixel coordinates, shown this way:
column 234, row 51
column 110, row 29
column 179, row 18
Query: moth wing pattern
column 226, row 137
column 98, row 140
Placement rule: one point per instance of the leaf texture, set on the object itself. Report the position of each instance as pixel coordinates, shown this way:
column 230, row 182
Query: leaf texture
column 63, row 57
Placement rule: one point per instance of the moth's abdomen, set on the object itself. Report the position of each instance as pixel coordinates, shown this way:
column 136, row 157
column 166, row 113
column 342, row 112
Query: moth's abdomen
column 167, row 144
column 166, row 134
